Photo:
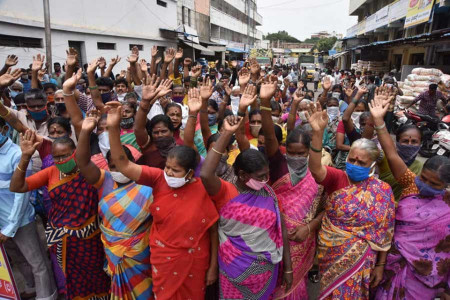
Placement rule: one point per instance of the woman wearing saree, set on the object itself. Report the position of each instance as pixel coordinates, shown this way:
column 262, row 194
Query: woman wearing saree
column 252, row 234
column 298, row 196
column 358, row 224
column 183, row 237
column 73, row 234
column 125, row 231
column 418, row 264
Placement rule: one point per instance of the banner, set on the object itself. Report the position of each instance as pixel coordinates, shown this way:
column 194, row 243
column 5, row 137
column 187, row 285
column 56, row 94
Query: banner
column 371, row 22
column 397, row 10
column 8, row 289
column 352, row 31
column 382, row 18
column 418, row 12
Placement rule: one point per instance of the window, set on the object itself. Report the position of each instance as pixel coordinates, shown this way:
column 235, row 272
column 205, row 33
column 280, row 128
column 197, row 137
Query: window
column 140, row 47
column 19, row 41
column 106, row 46
column 161, row 3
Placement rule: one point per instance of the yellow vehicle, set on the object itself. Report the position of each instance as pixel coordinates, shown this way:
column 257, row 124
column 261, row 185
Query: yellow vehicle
column 310, row 69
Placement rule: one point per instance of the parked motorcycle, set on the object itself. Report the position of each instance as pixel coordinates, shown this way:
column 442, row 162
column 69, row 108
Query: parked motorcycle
column 441, row 138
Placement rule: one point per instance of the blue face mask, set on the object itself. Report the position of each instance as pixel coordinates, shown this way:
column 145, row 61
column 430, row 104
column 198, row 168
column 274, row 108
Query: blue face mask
column 425, row 190
column 3, row 138
column 13, row 94
column 212, row 119
column 358, row 173
column 38, row 115
column 106, row 97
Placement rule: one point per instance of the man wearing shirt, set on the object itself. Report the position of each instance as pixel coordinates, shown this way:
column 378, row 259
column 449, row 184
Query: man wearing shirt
column 316, row 79
column 17, row 220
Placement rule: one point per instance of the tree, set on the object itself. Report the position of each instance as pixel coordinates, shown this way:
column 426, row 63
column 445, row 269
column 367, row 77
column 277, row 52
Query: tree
column 281, row 36
column 326, row 43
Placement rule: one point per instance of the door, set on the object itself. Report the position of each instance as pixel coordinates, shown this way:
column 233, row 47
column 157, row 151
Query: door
column 79, row 46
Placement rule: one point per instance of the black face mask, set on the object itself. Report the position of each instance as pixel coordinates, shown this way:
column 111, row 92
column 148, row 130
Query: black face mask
column 106, row 97
column 127, row 123
column 61, row 107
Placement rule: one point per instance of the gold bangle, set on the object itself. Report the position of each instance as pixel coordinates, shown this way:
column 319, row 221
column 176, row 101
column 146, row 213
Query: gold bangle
column 288, row 272
column 7, row 114
column 217, row 151
column 18, row 168
column 265, row 108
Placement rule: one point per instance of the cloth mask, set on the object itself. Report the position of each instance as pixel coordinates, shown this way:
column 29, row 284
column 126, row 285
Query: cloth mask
column 3, row 138
column 302, row 116
column 212, row 119
column 103, row 142
column 336, row 95
column 333, row 112
column 425, row 190
column 175, row 182
column 275, row 119
column 38, row 115
column 119, row 177
column 51, row 98
column 256, row 184
column 165, row 144
column 61, row 107
column 13, row 93
column 358, row 173
column 254, row 130
column 355, row 118
column 178, row 99
column 127, row 123
column 407, row 153
column 106, row 97
column 292, row 90
column 67, row 165
column 121, row 97
column 298, row 167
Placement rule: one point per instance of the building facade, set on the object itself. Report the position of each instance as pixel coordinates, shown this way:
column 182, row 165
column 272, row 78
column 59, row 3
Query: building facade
column 96, row 28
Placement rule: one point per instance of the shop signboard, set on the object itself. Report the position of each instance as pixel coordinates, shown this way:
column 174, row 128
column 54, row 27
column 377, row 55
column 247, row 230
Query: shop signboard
column 397, row 10
column 352, row 31
column 8, row 289
column 362, row 27
column 418, row 12
column 371, row 22
column 382, row 17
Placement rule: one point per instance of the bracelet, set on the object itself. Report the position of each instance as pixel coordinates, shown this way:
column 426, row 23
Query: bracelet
column 212, row 148
column 314, row 149
column 192, row 116
column 288, row 272
column 7, row 114
column 380, row 127
column 68, row 95
column 93, row 87
column 265, row 108
column 18, row 168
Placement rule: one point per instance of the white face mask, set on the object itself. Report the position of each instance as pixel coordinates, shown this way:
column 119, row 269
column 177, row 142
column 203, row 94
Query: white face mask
column 103, row 142
column 302, row 116
column 275, row 119
column 121, row 97
column 333, row 112
column 175, row 182
column 119, row 177
column 355, row 118
column 336, row 95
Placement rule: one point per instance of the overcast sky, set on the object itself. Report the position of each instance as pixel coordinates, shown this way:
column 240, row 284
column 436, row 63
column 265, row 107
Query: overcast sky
column 301, row 18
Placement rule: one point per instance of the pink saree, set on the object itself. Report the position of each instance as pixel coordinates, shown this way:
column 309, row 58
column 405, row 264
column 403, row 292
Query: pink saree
column 299, row 204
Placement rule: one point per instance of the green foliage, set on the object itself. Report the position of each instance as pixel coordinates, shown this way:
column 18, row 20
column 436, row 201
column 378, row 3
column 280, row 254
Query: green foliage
column 282, row 36
column 326, row 43
column 312, row 40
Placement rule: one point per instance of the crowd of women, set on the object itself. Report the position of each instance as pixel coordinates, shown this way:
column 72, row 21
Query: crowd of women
column 238, row 180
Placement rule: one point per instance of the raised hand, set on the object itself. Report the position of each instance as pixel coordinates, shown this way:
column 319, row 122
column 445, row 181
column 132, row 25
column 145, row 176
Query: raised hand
column 362, row 90
column 379, row 105
column 228, row 89
column 196, row 71
column 318, row 119
column 206, row 90
column 164, row 88
column 267, row 90
column 28, row 143
column 231, row 123
column 254, row 67
column 155, row 51
column 41, row 74
column 158, row 60
column 115, row 60
column 299, row 95
column 90, row 122
column 326, row 84
column 234, row 64
column 244, row 76
column 149, row 85
column 143, row 65
column 93, row 65
column 286, row 82
column 38, row 62
column 349, row 91
column 134, row 56
column 11, row 60
column 72, row 57
column 114, row 109
column 9, row 77
column 187, row 62
column 248, row 97
column 70, row 84
column 179, row 54
column 301, row 84
column 194, row 101
column 123, row 73
column 102, row 62
column 169, row 55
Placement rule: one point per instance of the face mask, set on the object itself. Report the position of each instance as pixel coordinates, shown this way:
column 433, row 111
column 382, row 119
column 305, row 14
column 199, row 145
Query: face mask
column 355, row 118
column 254, row 130
column 358, row 173
column 80, row 88
column 3, row 138
column 298, row 166
column 103, row 142
column 13, row 94
column 106, row 97
column 175, row 182
column 336, row 95
column 425, row 190
column 407, row 153
column 165, row 144
column 127, row 123
column 61, row 107
column 67, row 165
column 275, row 119
column 121, row 97
column 51, row 98
column 292, row 90
column 212, row 118
column 333, row 112
column 302, row 116
column 38, row 115
column 119, row 177
column 178, row 99
column 255, row 184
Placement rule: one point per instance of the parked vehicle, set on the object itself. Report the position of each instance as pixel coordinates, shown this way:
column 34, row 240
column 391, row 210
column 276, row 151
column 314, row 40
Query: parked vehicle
column 441, row 138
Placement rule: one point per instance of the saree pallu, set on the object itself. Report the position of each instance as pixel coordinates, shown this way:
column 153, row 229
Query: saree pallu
column 73, row 238
column 299, row 204
column 251, row 246
column 125, row 227
column 418, row 263
column 129, row 139
column 359, row 221
column 199, row 142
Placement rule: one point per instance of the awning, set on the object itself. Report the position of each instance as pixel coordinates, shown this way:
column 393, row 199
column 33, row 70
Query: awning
column 217, row 48
column 339, row 54
column 204, row 50
column 236, row 50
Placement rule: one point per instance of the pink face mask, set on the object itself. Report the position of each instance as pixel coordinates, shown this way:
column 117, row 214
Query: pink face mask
column 255, row 184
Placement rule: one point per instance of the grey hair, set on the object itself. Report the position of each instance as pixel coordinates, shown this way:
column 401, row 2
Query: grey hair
column 368, row 145
column 307, row 101
column 59, row 92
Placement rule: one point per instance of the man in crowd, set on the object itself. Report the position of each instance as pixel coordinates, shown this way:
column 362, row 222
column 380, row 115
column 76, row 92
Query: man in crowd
column 428, row 100
column 58, row 75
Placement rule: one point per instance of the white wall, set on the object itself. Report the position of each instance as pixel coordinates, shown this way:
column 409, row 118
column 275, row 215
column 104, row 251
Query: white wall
column 113, row 21
column 223, row 20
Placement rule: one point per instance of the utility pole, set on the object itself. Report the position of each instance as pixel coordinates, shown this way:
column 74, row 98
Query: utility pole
column 48, row 36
